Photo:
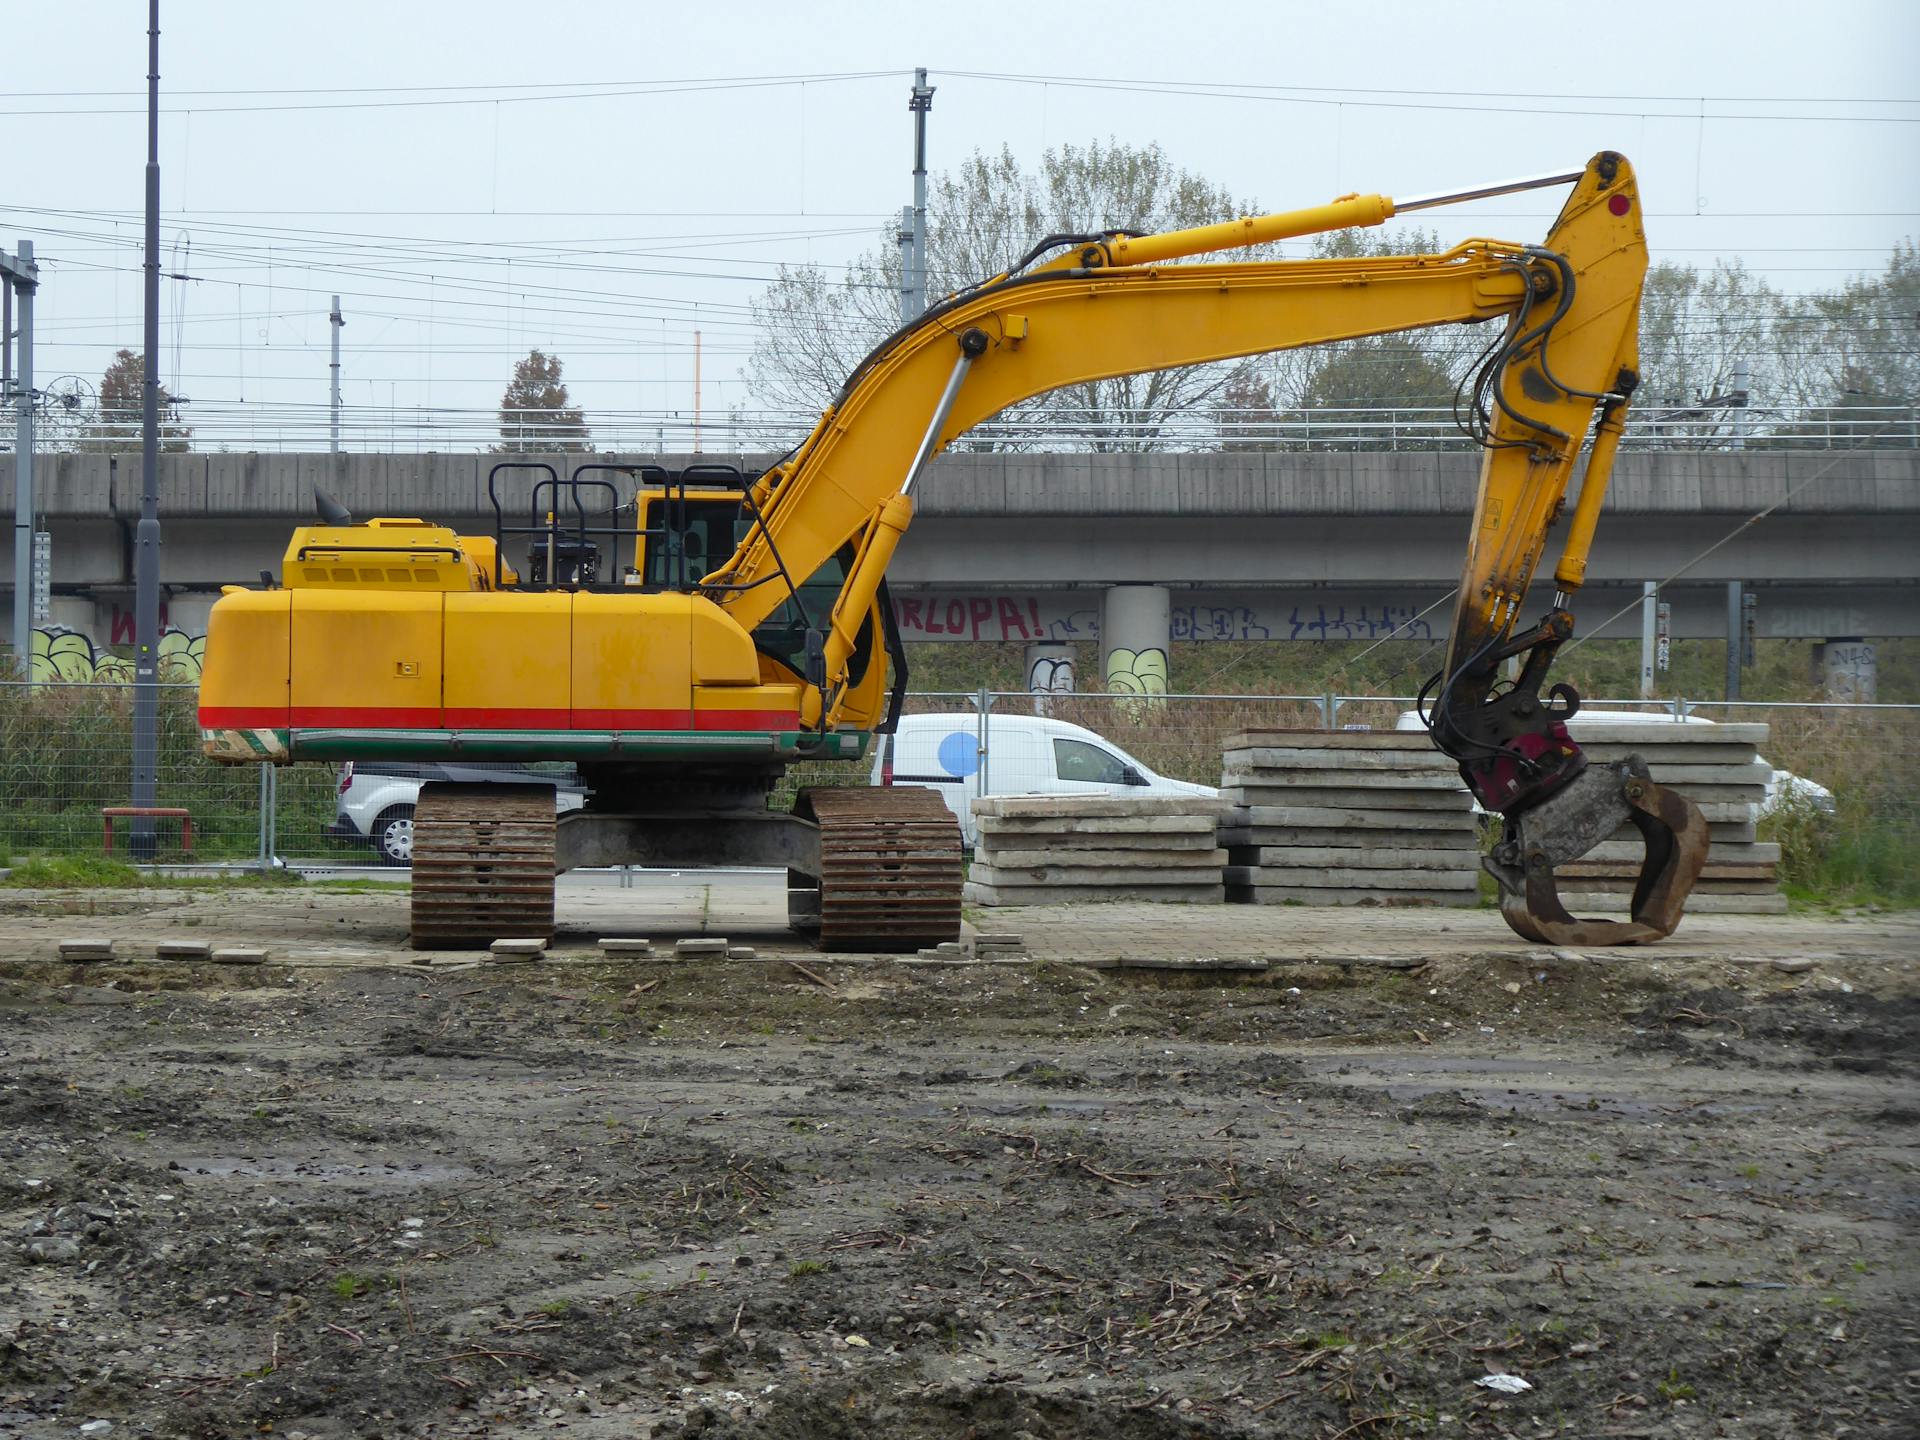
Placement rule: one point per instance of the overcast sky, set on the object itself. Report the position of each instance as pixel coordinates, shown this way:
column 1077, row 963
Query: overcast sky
column 602, row 179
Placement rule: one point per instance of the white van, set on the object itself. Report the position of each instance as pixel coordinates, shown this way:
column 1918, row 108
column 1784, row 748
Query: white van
column 1026, row 755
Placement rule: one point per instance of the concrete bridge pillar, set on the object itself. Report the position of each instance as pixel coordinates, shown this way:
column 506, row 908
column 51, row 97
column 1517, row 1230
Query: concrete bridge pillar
column 1136, row 629
column 1050, row 669
column 1849, row 669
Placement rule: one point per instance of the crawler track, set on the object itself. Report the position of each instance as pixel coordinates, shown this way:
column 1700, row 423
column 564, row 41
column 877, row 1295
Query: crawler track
column 482, row 864
column 889, row 866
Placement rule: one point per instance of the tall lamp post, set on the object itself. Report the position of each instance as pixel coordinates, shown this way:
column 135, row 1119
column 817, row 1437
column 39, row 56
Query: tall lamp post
column 146, row 543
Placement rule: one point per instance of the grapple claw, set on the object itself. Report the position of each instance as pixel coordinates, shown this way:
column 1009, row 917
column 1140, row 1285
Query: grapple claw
column 1571, row 822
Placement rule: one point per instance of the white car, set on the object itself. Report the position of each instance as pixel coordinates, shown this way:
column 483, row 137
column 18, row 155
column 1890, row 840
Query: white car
column 1783, row 786
column 376, row 798
column 1026, row 755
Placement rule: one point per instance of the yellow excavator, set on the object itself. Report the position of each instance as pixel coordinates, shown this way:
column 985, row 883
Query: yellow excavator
column 683, row 637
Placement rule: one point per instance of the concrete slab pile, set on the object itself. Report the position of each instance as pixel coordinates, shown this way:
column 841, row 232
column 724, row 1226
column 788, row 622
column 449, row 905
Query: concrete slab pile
column 1719, row 769
column 1346, row 818
column 1051, row 849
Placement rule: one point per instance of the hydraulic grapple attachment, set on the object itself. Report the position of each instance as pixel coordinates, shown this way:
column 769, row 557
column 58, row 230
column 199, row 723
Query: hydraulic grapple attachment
column 1519, row 760
column 1581, row 814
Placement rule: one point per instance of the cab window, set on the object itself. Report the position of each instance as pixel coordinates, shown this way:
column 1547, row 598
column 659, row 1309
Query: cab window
column 1077, row 760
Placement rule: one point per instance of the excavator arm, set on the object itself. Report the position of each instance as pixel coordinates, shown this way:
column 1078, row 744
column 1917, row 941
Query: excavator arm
column 1120, row 304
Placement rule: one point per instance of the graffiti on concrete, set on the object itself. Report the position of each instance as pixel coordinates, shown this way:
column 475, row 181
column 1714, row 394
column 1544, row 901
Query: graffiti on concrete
column 1137, row 672
column 1050, row 675
column 1323, row 622
column 1216, row 622
column 64, row 655
column 1066, row 615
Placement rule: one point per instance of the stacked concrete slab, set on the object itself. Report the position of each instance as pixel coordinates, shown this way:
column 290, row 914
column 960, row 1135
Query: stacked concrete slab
column 1346, row 818
column 1715, row 766
column 1051, row 849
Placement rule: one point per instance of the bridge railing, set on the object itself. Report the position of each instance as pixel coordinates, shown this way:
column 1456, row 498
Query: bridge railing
column 1848, row 776
column 271, row 427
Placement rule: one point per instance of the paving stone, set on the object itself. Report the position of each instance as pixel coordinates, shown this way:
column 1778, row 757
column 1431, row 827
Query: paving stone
column 1455, row 800
column 183, row 950
column 1628, row 733
column 997, row 937
column 86, row 949
column 1330, row 818
column 1069, row 872
column 1793, row 964
column 626, row 945
column 1387, row 768
column 1233, row 836
column 517, row 946
column 701, row 945
column 240, row 955
column 1374, row 740
column 741, row 952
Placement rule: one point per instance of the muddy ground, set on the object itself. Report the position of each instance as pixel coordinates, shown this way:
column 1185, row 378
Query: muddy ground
column 1673, row 1190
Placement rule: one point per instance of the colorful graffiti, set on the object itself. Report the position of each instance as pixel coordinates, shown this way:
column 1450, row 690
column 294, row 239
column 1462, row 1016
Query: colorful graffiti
column 1050, row 673
column 1325, row 622
column 64, row 655
column 1137, row 672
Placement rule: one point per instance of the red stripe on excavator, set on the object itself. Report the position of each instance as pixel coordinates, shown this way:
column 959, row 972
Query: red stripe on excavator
column 329, row 717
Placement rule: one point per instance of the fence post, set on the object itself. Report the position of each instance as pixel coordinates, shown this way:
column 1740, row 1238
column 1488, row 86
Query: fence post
column 261, row 819
column 273, row 816
column 1328, row 709
column 982, row 702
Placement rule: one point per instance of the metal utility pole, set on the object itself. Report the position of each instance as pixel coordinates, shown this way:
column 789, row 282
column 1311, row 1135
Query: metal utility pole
column 1647, row 615
column 920, row 103
column 1736, row 637
column 333, row 318
column 22, row 278
column 146, row 543
column 904, row 236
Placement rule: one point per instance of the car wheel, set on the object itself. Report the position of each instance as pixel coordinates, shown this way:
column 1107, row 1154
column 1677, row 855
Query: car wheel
column 393, row 836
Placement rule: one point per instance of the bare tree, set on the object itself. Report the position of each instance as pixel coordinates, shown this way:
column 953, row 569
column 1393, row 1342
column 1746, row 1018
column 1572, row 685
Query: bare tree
column 982, row 218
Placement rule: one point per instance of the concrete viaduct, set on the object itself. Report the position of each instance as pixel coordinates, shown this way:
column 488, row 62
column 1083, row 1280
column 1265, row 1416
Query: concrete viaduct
column 1318, row 546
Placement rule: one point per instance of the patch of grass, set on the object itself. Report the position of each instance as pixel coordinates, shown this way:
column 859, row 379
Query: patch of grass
column 1673, row 1387
column 801, row 1268
column 555, row 1307
column 360, row 885
column 97, row 872
column 349, row 1285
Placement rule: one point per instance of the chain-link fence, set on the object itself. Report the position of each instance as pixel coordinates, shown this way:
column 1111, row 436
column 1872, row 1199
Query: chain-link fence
column 65, row 758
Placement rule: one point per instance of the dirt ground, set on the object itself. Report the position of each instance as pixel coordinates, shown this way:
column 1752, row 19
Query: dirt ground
column 342, row 1195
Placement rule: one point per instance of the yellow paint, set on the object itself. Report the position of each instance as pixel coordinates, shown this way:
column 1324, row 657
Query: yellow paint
column 345, row 647
column 508, row 652
column 631, row 654
column 249, row 653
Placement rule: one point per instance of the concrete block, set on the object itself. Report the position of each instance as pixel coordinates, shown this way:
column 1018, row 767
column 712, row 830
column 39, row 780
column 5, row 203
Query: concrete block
column 1328, row 835
column 976, row 893
column 1378, row 740
column 1068, row 873
column 1587, row 902
column 701, row 945
column 1425, row 760
column 1330, row 778
column 1659, row 755
column 1157, row 841
column 741, row 952
column 1308, row 895
column 1627, row 733
column 1097, row 824
column 1028, row 858
column 1355, row 857
column 1074, row 807
column 1732, row 852
column 183, row 950
column 997, row 937
column 1329, row 818
column 626, row 945
column 240, row 955
column 1335, row 879
column 1258, row 792
column 86, row 949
